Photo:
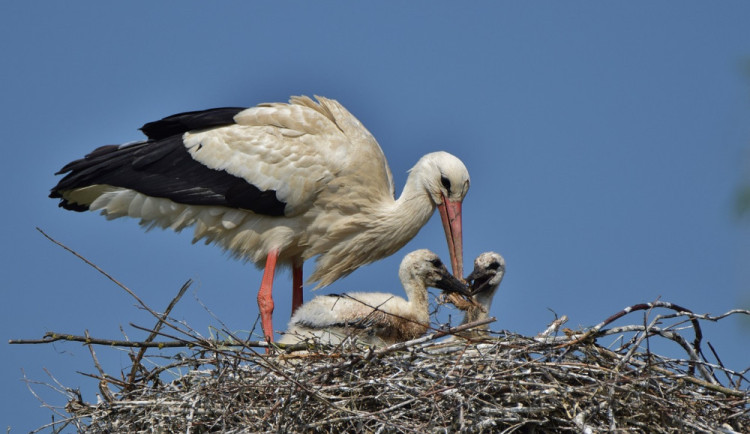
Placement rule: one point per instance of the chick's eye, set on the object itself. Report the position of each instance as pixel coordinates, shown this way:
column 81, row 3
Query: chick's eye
column 436, row 262
column 494, row 266
column 446, row 183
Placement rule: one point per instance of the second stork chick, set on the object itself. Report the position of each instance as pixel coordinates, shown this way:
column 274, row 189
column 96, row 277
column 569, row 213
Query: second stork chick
column 489, row 269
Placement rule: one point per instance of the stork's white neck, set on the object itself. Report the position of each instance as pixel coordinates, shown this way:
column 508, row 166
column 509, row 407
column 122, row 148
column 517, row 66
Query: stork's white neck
column 416, row 293
column 382, row 229
column 410, row 211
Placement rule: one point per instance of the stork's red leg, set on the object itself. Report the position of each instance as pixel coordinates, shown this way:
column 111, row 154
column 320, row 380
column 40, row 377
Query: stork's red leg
column 265, row 295
column 296, row 286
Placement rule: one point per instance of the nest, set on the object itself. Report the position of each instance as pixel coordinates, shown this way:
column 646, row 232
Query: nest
column 461, row 379
column 499, row 382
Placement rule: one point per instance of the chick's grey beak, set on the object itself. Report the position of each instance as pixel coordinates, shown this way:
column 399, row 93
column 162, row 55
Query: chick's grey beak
column 450, row 283
column 479, row 281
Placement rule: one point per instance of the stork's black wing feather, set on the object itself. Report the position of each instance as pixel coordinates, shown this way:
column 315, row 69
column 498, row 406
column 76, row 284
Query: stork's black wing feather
column 162, row 167
column 190, row 121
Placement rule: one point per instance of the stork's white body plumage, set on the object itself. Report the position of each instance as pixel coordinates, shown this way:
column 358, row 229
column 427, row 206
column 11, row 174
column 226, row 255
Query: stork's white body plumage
column 375, row 318
column 275, row 184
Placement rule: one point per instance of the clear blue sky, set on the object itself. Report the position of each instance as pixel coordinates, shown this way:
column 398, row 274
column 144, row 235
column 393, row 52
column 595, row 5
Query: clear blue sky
column 605, row 142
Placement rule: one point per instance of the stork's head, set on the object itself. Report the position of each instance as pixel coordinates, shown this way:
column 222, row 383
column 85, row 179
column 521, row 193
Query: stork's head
column 446, row 179
column 426, row 267
column 489, row 269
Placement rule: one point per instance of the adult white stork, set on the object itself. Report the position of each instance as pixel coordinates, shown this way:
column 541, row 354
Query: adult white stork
column 376, row 318
column 275, row 184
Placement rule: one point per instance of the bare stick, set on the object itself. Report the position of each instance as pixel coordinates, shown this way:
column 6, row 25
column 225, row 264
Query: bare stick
column 108, row 276
column 552, row 328
column 103, row 388
column 50, row 337
column 138, row 357
column 642, row 306
column 688, row 378
column 94, row 266
column 694, row 357
column 718, row 360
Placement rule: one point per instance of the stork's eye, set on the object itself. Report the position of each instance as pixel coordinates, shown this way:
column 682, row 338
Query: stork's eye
column 446, row 183
column 494, row 266
column 436, row 262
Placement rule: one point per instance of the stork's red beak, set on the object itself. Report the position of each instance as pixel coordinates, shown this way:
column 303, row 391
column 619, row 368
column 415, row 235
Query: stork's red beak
column 450, row 213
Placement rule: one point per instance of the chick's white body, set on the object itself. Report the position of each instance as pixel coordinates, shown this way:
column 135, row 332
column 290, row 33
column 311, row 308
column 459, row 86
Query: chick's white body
column 374, row 318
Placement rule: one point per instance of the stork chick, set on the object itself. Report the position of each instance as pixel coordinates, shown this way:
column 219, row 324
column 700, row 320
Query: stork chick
column 489, row 269
column 376, row 318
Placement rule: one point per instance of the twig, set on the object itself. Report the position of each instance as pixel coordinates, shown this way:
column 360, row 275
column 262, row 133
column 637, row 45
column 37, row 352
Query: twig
column 642, row 306
column 53, row 337
column 103, row 388
column 718, row 360
column 689, row 379
column 96, row 267
column 552, row 328
column 637, row 343
column 154, row 333
column 694, row 357
column 107, row 275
